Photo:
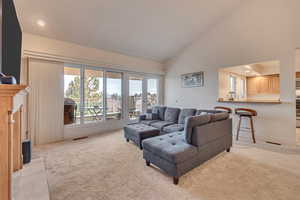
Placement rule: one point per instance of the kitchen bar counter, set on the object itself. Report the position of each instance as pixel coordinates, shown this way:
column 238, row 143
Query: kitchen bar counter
column 252, row 101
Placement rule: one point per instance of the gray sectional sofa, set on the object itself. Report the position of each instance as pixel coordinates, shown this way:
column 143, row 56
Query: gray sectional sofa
column 168, row 119
column 180, row 139
column 204, row 137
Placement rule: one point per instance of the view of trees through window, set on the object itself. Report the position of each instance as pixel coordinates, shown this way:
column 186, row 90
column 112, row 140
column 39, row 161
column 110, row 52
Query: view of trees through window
column 136, row 95
column 152, row 92
column 114, row 95
column 135, row 101
column 72, row 95
column 94, row 95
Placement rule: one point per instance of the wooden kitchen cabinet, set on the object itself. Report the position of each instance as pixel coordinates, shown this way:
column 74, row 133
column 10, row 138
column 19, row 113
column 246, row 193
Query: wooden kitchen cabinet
column 269, row 84
column 275, row 84
column 252, row 86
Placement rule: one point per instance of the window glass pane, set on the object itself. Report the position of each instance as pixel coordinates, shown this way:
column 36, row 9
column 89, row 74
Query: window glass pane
column 233, row 86
column 93, row 95
column 152, row 92
column 72, row 95
column 114, row 95
column 135, row 101
column 243, row 88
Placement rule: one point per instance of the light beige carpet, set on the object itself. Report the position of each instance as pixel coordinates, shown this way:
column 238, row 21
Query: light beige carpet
column 106, row 167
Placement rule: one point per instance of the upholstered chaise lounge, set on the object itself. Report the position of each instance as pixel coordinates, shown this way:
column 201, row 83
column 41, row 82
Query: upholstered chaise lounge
column 176, row 153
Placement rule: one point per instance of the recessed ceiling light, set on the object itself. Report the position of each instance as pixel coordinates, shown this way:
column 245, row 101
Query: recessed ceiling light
column 41, row 23
column 248, row 71
column 248, row 67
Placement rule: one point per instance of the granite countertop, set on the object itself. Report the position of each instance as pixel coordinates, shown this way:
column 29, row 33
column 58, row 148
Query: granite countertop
column 251, row 101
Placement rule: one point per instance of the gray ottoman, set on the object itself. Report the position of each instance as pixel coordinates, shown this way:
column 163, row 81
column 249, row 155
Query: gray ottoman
column 138, row 132
column 171, row 153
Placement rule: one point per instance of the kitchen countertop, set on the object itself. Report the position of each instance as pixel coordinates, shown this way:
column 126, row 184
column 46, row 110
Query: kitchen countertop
column 252, row 101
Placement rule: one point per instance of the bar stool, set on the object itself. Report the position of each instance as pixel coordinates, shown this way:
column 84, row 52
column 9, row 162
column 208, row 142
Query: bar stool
column 248, row 113
column 221, row 108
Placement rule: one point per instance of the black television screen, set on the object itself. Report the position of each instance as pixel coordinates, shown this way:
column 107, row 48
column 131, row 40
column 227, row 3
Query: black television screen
column 11, row 40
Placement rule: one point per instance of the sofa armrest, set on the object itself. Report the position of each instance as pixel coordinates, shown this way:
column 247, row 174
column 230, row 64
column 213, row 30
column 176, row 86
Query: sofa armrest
column 203, row 135
column 192, row 122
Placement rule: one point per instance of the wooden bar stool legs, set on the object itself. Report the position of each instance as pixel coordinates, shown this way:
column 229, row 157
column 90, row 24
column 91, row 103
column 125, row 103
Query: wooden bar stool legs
column 252, row 130
column 238, row 128
column 248, row 113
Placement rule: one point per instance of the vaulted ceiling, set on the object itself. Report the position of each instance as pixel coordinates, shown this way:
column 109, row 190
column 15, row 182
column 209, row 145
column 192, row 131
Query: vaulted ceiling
column 152, row 29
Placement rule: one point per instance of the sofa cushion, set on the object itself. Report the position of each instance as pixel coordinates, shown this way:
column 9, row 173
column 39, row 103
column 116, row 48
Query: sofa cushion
column 185, row 113
column 160, row 110
column 161, row 124
column 192, row 122
column 171, row 147
column 151, row 116
column 148, row 122
column 149, row 110
column 173, row 128
column 219, row 116
column 171, row 115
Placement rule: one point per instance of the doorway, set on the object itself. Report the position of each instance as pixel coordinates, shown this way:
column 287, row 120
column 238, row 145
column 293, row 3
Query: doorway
column 143, row 93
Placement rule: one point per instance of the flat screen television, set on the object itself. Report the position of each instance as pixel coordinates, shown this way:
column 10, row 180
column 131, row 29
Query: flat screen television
column 11, row 40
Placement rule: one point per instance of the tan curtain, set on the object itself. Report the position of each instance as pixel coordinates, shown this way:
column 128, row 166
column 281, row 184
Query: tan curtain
column 46, row 101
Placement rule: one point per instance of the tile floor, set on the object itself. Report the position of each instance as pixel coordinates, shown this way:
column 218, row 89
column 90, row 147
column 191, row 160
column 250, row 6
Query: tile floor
column 30, row 183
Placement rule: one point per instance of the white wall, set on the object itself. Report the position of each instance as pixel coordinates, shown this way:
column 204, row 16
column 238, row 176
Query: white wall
column 260, row 30
column 37, row 45
column 298, row 60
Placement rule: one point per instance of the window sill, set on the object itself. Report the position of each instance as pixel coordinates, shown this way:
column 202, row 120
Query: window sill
column 92, row 124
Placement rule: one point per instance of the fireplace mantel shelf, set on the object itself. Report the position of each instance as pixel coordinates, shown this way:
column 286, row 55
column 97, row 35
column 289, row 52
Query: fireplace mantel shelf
column 11, row 90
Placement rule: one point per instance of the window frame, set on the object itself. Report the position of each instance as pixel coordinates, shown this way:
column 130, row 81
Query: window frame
column 84, row 68
column 124, row 90
column 157, row 88
column 105, row 93
column 76, row 66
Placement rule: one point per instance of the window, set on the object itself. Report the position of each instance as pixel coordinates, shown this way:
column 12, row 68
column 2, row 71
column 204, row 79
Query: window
column 113, row 95
column 93, row 95
column 152, row 92
column 243, row 88
column 85, row 99
column 72, row 94
column 233, row 89
column 233, row 84
column 135, row 101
